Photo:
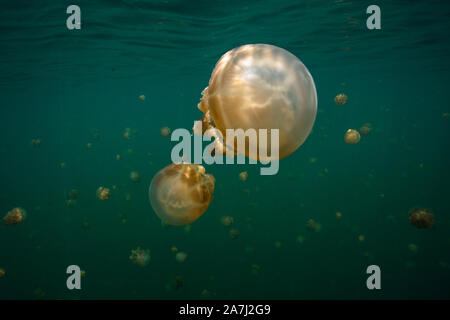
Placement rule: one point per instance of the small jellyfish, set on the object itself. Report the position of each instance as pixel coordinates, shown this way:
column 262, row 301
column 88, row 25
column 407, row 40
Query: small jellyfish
column 2, row 273
column 300, row 239
column 128, row 197
column 135, row 176
column 63, row 165
column 413, row 248
column 72, row 194
column 140, row 256
column 421, row 218
column 127, row 134
column 180, row 193
column 36, row 142
column 205, row 294
column 181, row 256
column 352, row 136
column 365, row 129
column 15, row 216
column 142, row 97
column 103, row 193
column 174, row 249
column 118, row 157
column 71, row 203
column 259, row 86
column 82, row 273
column 226, row 221
column 164, row 131
column 338, row 215
column 361, row 238
column 234, row 234
column 278, row 244
column 341, row 99
column 311, row 225
column 243, row 176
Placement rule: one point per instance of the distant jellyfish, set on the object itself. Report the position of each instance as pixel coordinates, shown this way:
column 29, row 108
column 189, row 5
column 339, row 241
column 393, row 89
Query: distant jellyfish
column 71, row 203
column 72, row 194
column 365, row 129
column 127, row 134
column 361, row 238
column 300, row 239
column 15, row 216
column 226, row 221
column 260, row 87
column 140, row 256
column 234, row 234
column 255, row 270
column 142, row 97
column 311, row 225
column 243, row 176
column 103, row 193
column 413, row 248
column 338, row 215
column 128, row 197
column 181, row 256
column 174, row 249
column 352, row 136
column 36, row 142
column 2, row 273
column 278, row 244
column 135, row 176
column 118, row 157
column 421, row 218
column 164, row 131
column 180, row 193
column 63, row 165
column 83, row 273
column 341, row 99
column 89, row 145
column 205, row 294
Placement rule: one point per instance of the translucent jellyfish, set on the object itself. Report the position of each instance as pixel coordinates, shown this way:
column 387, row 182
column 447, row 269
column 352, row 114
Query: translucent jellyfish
column 365, row 129
column 63, row 165
column 140, row 256
column 413, row 248
column 340, row 99
column 89, row 145
column 164, row 131
column 313, row 226
column 181, row 256
column 36, row 142
column 2, row 273
column 103, row 193
column 72, row 194
column 15, row 216
column 338, row 215
column 174, row 249
column 142, row 97
column 234, row 234
column 127, row 133
column 181, row 193
column 226, row 221
column 135, row 176
column 421, row 218
column 260, row 86
column 361, row 238
column 352, row 136
column 243, row 176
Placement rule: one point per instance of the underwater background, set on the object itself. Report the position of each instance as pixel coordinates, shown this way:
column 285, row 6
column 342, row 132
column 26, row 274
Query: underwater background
column 71, row 88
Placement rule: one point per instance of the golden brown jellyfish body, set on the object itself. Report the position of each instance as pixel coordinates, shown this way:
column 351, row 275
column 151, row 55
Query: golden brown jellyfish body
column 2, row 272
column 135, row 176
column 243, row 176
column 234, row 234
column 103, row 193
column 36, row 142
column 338, row 215
column 181, row 193
column 421, row 218
column 164, row 131
column 365, row 129
column 181, row 256
column 127, row 134
column 142, row 97
column 352, row 136
column 227, row 221
column 15, row 216
column 140, row 256
column 259, row 86
column 341, row 99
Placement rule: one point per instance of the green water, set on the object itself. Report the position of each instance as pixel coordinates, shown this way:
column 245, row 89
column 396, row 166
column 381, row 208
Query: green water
column 62, row 86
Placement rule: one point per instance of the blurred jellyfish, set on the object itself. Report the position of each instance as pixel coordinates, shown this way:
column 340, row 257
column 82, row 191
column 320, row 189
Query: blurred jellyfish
column 140, row 256
column 205, row 294
column 103, row 193
column 311, row 225
column 300, row 239
column 174, row 249
column 142, row 97
column 413, row 248
column 421, row 218
column 181, row 256
column 365, row 129
column 15, row 216
column 180, row 193
column 243, row 176
column 361, row 238
column 36, row 142
column 118, row 157
column 259, row 86
column 127, row 133
column 340, row 99
column 352, row 136
column 63, row 165
column 226, row 221
column 83, row 273
column 89, row 145
column 338, row 215
column 71, row 203
column 234, row 234
column 278, row 244
column 128, row 197
column 255, row 269
column 164, row 131
column 2, row 273
column 135, row 176
column 72, row 194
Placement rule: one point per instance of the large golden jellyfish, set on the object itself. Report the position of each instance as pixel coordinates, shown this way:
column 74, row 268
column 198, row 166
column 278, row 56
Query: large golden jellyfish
column 181, row 193
column 260, row 86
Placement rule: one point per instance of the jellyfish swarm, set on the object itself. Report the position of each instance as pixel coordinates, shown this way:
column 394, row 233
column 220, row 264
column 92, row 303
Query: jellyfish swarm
column 181, row 193
column 260, row 86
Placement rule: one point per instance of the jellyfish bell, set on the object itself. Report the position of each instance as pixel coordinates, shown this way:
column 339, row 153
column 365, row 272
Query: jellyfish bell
column 164, row 131
column 352, row 136
column 260, row 86
column 15, row 216
column 180, row 193
column 421, row 218
column 341, row 99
